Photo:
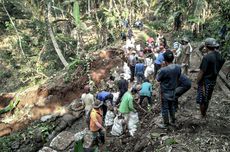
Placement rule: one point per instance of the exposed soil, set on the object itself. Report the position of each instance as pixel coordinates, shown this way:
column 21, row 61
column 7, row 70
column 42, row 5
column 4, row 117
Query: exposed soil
column 190, row 134
column 54, row 95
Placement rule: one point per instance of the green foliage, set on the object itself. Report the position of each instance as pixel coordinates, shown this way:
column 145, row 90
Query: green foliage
column 158, row 25
column 225, row 10
column 6, row 141
column 73, row 66
column 170, row 141
column 11, row 106
column 28, row 134
column 5, row 74
column 9, row 26
column 78, row 146
column 76, row 13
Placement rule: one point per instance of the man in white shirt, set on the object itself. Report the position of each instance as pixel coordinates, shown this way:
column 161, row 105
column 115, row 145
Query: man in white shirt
column 87, row 99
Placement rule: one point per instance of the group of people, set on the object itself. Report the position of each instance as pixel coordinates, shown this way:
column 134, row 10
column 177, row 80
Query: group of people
column 159, row 68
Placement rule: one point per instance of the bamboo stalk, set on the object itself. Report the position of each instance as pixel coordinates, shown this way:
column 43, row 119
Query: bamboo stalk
column 16, row 30
column 55, row 44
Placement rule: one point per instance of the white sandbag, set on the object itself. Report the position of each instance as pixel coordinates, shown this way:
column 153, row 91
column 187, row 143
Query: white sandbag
column 127, row 76
column 138, row 47
column 132, row 124
column 149, row 70
column 117, row 128
column 109, row 118
column 148, row 61
column 126, row 68
column 115, row 96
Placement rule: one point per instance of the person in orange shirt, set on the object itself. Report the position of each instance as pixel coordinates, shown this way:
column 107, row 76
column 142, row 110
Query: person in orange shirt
column 96, row 121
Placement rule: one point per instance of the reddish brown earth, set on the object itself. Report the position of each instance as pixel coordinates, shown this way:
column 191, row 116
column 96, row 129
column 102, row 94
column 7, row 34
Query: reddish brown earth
column 55, row 93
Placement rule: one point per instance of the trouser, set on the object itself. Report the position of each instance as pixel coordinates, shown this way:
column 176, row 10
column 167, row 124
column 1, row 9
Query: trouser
column 185, row 69
column 104, row 106
column 179, row 92
column 140, row 77
column 156, row 68
column 204, row 94
column 98, row 136
column 149, row 99
column 121, row 93
column 168, row 106
column 132, row 69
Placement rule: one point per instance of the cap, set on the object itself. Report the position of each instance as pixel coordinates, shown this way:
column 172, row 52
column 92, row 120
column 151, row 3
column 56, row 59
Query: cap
column 185, row 39
column 211, row 42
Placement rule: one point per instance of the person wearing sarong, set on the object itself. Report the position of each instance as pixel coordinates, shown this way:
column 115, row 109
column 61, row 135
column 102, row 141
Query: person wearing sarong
column 210, row 66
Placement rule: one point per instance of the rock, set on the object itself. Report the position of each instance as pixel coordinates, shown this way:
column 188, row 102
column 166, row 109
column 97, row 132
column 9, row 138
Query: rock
column 69, row 119
column 170, row 141
column 140, row 146
column 155, row 135
column 165, row 137
column 87, row 139
column 77, row 114
column 75, row 106
column 15, row 145
column 79, row 136
column 47, row 149
column 62, row 140
column 46, row 117
column 38, row 136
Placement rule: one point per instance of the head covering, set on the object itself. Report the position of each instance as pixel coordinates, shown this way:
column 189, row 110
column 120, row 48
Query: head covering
column 97, row 104
column 211, row 42
column 185, row 39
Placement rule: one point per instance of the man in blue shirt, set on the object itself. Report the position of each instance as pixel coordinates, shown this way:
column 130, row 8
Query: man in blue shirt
column 146, row 92
column 168, row 77
column 103, row 96
column 159, row 60
column 183, row 86
column 139, row 71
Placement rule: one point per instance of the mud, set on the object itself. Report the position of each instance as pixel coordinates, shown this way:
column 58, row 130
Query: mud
column 190, row 133
column 55, row 94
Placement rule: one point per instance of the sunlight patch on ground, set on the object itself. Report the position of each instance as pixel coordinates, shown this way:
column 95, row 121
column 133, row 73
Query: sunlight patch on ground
column 97, row 75
column 104, row 54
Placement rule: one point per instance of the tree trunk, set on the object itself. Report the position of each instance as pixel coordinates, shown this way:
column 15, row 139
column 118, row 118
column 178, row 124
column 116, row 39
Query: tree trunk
column 56, row 47
column 89, row 8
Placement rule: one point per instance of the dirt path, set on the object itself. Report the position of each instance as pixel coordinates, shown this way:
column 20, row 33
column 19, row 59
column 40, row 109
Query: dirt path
column 191, row 133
